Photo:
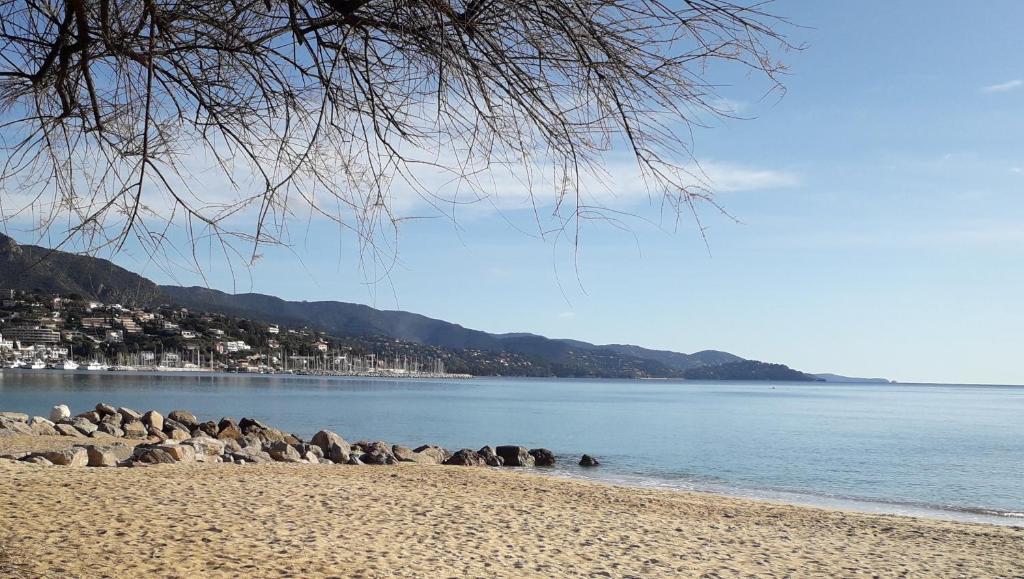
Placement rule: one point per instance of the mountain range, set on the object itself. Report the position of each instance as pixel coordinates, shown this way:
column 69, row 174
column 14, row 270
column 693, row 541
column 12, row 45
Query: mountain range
column 29, row 267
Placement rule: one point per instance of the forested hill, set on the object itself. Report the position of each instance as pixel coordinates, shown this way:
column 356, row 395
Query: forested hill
column 28, row 267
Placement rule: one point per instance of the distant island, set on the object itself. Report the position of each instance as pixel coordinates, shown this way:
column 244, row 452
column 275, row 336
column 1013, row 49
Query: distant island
column 215, row 322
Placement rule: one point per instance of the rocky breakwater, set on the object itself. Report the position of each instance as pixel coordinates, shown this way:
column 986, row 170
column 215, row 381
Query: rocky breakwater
column 108, row 436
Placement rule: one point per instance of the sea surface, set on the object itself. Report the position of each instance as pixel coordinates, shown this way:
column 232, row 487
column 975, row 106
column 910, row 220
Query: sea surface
column 948, row 451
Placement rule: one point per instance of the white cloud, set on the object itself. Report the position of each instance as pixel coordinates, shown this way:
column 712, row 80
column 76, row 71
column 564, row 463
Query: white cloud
column 1004, row 87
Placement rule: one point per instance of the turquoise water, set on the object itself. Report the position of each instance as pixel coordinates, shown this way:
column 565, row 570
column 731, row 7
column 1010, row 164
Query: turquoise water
column 945, row 450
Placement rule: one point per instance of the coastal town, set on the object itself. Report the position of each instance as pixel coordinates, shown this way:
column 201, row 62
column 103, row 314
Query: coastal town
column 67, row 332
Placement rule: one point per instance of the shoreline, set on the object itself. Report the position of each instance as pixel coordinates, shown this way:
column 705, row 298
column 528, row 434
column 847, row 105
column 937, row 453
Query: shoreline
column 423, row 521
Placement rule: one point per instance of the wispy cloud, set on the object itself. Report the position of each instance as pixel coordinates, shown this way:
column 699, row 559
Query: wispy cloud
column 1004, row 86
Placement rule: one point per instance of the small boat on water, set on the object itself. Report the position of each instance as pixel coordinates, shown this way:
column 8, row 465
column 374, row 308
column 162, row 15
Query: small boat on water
column 95, row 366
column 69, row 365
column 17, row 363
column 38, row 364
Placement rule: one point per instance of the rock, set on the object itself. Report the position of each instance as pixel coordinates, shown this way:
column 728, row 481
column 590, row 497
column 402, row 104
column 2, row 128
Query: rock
column 178, row 434
column 135, row 429
column 110, row 429
column 39, row 419
column 325, row 439
column 83, row 425
column 154, row 456
column 180, row 452
column 430, row 454
column 153, row 419
column 184, row 417
column 354, row 460
column 228, row 429
column 542, row 457
column 466, row 457
column 43, row 428
column 515, row 455
column 373, row 446
column 378, row 458
column 107, row 455
column 205, row 446
column 105, row 409
column 15, row 426
column 589, row 461
column 311, row 457
column 248, row 440
column 231, row 445
column 60, row 412
column 127, row 414
column 91, row 416
column 67, row 430
column 113, row 420
column 248, row 424
column 339, row 452
column 490, row 457
column 209, row 428
column 281, row 451
column 15, row 416
column 75, row 456
column 40, row 460
column 403, row 453
column 158, row 435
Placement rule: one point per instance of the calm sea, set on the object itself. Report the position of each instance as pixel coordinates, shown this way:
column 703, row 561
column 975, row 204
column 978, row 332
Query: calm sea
column 942, row 450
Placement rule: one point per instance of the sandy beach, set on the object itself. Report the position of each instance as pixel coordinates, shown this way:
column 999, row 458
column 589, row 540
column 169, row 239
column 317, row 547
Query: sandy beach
column 280, row 520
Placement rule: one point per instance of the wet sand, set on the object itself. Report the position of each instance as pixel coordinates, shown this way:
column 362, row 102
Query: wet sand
column 281, row 520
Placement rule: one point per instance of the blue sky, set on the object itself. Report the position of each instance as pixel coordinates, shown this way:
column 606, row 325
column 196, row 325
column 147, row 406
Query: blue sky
column 881, row 219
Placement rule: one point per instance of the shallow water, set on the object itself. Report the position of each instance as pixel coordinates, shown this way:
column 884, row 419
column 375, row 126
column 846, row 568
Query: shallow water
column 941, row 450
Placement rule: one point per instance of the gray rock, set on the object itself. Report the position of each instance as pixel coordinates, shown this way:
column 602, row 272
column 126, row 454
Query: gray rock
column 114, row 419
column 60, row 412
column 39, row 419
column 135, row 429
column 75, row 456
column 247, row 424
column 231, row 445
column 250, row 440
column 325, row 439
column 377, row 457
column 403, row 453
column 127, row 414
column 339, row 453
column 589, row 461
column 43, row 428
column 40, row 460
column 466, row 457
column 228, row 429
column 281, row 451
column 490, row 457
column 180, row 452
column 354, row 460
column 157, row 435
column 430, row 454
column 67, row 430
column 184, row 417
column 83, row 425
column 205, row 446
column 15, row 426
column 209, row 428
column 110, row 429
column 91, row 416
column 170, row 424
column 105, row 409
column 177, row 434
column 107, row 455
column 153, row 419
column 154, row 456
column 515, row 455
column 542, row 457
column 15, row 416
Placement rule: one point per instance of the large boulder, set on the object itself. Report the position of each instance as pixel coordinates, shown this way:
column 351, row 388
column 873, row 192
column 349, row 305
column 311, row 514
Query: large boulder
column 490, row 457
column 252, row 440
column 205, row 447
column 128, row 414
column 228, row 429
column 339, row 452
column 60, row 412
column 377, row 457
column 153, row 419
column 184, row 417
column 247, row 424
column 153, row 456
column 177, row 434
column 75, row 456
column 83, row 425
column 514, row 455
column 15, row 416
column 105, row 409
column 108, row 428
column 107, row 455
column 180, row 452
column 403, row 453
column 325, row 439
column 466, row 457
column 589, row 461
column 281, row 451
column 209, row 428
column 15, row 426
column 156, row 435
column 91, row 416
column 542, row 457
column 172, row 425
column 135, row 429
column 67, row 430
column 114, row 419
column 43, row 428
column 430, row 454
